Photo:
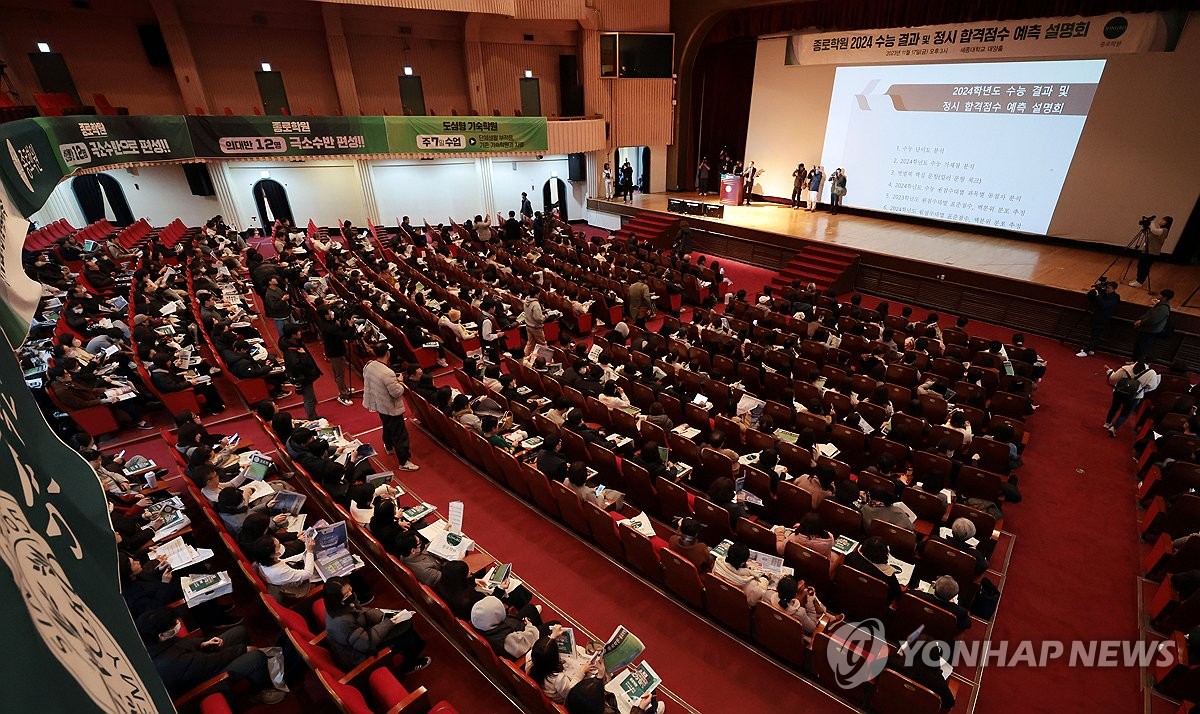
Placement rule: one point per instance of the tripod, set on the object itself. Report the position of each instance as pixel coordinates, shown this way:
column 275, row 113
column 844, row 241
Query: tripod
column 1136, row 244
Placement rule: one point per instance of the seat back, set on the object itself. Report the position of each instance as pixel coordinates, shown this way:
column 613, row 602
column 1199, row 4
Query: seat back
column 913, row 612
column 348, row 699
column 640, row 553
column 727, row 604
column 780, row 634
column 897, row 694
column 716, row 521
column 755, row 535
column 570, row 508
column 810, row 566
column 683, row 579
column 858, row 595
column 604, row 530
column 539, row 488
column 672, row 499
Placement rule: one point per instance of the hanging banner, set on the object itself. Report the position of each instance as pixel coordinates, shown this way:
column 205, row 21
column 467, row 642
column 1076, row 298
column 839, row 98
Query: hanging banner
column 72, row 644
column 1046, row 37
column 267, row 137
column 38, row 152
column 470, row 135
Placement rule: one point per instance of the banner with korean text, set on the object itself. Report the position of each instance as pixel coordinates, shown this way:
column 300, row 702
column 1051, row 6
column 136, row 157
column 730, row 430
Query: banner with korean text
column 469, row 135
column 1096, row 36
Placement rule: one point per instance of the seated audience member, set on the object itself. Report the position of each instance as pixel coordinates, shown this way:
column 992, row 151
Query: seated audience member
column 723, row 492
column 808, row 533
column 257, row 525
column 356, row 633
column 799, row 601
column 233, row 509
column 871, row 558
column 557, row 673
column 944, row 595
column 425, row 567
column 510, row 636
column 290, row 580
column 588, row 492
column 458, row 589
column 613, row 396
column 658, row 417
column 590, row 697
column 687, row 543
column 962, row 531
column 152, row 585
column 736, row 569
column 184, row 662
column 550, row 459
column 886, row 507
column 819, row 486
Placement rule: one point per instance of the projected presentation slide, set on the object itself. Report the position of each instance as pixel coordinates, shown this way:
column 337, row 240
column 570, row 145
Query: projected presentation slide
column 987, row 144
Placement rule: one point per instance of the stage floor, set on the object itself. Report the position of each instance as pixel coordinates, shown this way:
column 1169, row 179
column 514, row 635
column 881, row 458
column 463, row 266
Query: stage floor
column 1062, row 266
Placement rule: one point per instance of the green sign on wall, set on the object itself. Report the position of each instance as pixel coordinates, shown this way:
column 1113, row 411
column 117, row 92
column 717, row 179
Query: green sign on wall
column 469, row 135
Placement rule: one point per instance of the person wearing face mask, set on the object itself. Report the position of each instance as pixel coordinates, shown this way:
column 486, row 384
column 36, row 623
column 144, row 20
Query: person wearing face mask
column 184, row 662
column 293, row 581
column 356, row 633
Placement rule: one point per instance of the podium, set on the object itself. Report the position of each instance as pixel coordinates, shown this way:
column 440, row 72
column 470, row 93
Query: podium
column 732, row 187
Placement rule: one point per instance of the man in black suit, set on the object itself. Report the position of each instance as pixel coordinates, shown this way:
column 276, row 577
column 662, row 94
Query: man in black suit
column 526, row 206
column 945, row 589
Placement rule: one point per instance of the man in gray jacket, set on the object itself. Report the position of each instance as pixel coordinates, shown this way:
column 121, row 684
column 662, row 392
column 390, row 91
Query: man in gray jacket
column 1153, row 323
column 383, row 393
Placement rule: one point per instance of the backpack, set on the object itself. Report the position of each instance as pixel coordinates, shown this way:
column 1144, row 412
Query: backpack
column 1129, row 386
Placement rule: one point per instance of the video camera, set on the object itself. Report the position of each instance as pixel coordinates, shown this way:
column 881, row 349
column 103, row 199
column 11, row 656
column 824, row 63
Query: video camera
column 1145, row 222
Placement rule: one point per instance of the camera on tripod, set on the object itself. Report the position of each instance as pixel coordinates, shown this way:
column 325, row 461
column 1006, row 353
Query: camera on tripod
column 1145, row 222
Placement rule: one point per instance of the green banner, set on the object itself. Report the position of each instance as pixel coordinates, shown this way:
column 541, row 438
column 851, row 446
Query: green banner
column 269, row 137
column 39, row 152
column 70, row 642
column 469, row 135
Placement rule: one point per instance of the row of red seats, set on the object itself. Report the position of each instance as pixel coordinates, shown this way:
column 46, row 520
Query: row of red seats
column 46, row 236
column 390, row 695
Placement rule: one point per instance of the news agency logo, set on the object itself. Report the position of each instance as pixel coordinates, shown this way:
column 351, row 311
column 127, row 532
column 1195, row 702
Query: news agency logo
column 857, row 652
column 1116, row 27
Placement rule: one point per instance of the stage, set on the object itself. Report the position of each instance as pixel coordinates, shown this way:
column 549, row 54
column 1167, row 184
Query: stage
column 1053, row 265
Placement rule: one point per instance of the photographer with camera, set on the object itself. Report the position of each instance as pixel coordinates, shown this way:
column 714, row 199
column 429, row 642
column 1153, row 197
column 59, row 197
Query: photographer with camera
column 1154, row 234
column 1104, row 300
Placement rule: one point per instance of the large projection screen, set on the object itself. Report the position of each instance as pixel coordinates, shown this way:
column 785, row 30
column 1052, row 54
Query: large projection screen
column 1136, row 151
column 984, row 143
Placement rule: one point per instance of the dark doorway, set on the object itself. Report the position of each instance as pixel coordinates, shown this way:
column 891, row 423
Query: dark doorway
column 101, row 194
column 554, row 195
column 644, row 181
column 271, row 198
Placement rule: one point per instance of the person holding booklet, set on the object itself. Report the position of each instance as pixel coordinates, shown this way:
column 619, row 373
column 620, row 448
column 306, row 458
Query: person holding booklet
column 556, row 671
column 233, row 509
column 356, row 633
column 688, row 544
column 590, row 697
column 290, row 578
column 737, row 569
column 809, row 533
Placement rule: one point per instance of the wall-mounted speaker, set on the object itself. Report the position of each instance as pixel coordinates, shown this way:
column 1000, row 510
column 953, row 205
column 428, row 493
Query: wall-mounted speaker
column 199, row 180
column 577, row 167
column 154, row 45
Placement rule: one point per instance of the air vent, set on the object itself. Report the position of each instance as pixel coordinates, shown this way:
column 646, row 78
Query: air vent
column 528, row 38
column 258, row 19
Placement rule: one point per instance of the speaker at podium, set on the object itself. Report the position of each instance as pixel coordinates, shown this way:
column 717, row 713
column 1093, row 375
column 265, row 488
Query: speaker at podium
column 732, row 187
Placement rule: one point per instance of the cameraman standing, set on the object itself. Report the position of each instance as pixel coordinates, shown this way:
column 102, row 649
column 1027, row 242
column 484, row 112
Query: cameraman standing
column 1156, row 235
column 1104, row 300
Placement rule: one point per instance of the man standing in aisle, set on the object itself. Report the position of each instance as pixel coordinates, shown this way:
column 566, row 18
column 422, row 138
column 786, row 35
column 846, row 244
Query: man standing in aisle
column 627, row 181
column 383, row 393
column 814, row 187
column 526, row 206
column 799, row 177
column 535, row 320
column 1104, row 299
column 1153, row 323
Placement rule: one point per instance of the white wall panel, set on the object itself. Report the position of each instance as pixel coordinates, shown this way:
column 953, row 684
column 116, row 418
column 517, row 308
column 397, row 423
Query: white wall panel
column 324, row 191
column 431, row 191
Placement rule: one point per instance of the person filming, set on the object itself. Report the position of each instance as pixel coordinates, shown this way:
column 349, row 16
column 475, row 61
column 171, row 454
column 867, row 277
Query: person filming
column 1103, row 300
column 1155, row 234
